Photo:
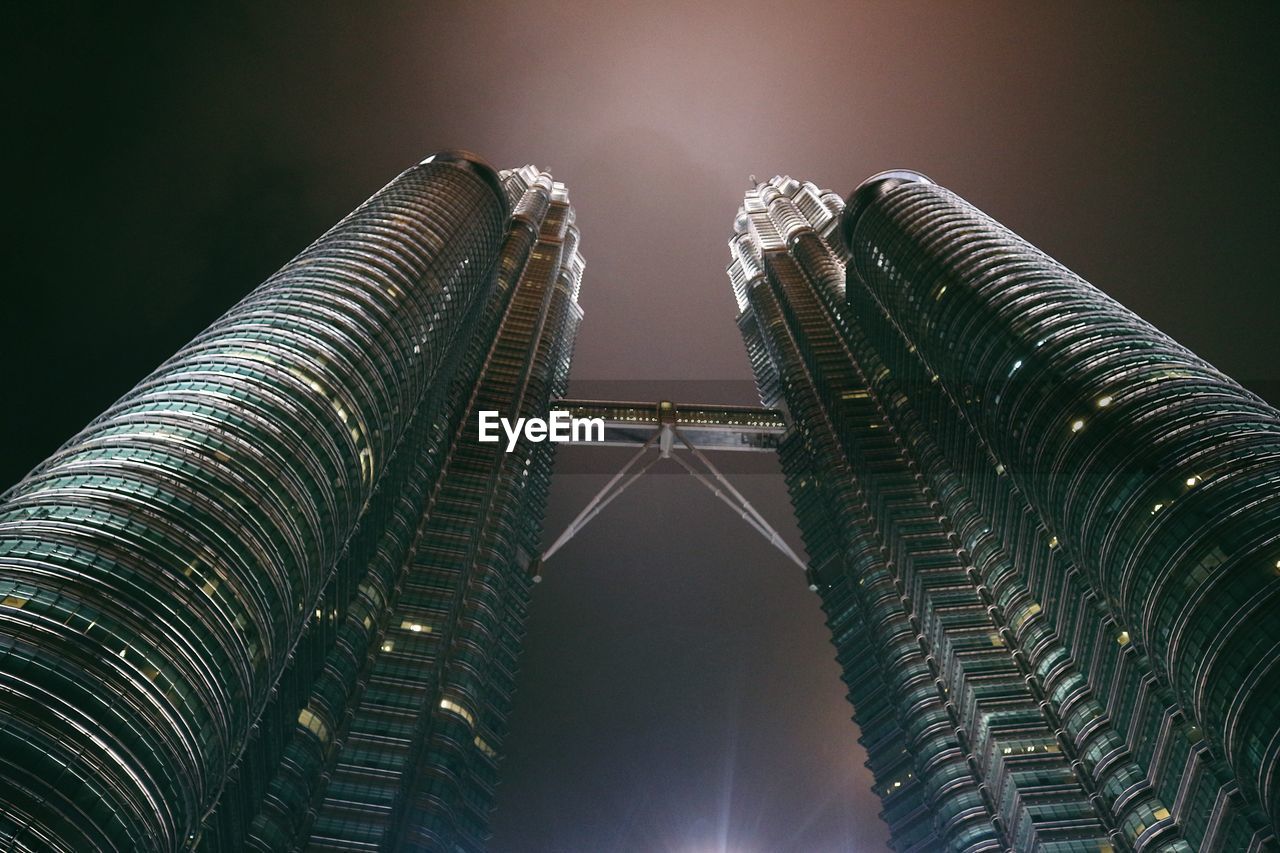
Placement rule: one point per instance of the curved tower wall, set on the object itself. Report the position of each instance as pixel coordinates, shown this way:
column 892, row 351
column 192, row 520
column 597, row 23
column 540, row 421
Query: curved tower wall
column 418, row 764
column 786, row 279
column 1158, row 475
column 170, row 577
column 1002, row 699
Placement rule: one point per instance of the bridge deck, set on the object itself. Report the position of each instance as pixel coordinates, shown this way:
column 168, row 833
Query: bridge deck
column 707, row 427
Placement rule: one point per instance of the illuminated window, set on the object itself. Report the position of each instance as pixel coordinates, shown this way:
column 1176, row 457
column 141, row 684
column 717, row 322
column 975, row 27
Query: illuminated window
column 388, row 646
column 1104, row 401
column 455, row 708
column 1031, row 610
column 313, row 722
column 1123, row 638
column 1161, row 813
column 1077, row 425
column 415, row 627
column 485, row 748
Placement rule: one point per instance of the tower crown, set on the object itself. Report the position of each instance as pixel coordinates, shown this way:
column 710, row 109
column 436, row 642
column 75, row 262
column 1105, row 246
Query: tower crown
column 872, row 189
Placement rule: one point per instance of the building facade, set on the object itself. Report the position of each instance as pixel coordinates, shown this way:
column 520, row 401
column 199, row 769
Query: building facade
column 1046, row 537
column 273, row 597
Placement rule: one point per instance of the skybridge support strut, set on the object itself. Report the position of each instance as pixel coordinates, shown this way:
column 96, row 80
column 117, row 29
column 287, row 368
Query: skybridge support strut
column 603, row 498
column 743, row 506
column 734, row 428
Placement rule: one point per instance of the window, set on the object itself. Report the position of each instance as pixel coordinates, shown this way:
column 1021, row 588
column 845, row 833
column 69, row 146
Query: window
column 312, row 721
column 454, row 708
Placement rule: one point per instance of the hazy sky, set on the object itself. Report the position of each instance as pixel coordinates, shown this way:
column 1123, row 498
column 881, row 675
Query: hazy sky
column 678, row 692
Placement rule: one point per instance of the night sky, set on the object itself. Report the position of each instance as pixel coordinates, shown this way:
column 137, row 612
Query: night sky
column 678, row 692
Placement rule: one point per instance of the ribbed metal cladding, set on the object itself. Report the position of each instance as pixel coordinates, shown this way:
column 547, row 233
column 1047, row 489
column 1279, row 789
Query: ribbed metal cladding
column 1159, row 475
column 414, row 763
column 157, row 572
column 977, row 651
column 934, row 698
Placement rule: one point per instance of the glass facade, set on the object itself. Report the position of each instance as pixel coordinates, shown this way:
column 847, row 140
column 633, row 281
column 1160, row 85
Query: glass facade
column 278, row 584
column 1045, row 535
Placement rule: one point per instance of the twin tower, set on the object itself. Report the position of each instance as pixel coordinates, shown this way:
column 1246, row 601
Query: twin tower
column 272, row 599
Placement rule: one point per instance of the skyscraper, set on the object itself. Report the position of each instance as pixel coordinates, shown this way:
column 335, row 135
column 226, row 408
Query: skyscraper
column 272, row 598
column 1046, row 536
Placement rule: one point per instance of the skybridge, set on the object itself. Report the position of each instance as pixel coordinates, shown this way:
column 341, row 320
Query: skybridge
column 684, row 433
